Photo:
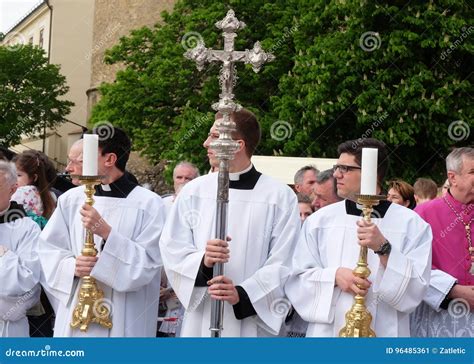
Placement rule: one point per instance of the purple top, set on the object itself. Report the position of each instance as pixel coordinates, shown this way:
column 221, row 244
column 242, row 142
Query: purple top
column 450, row 245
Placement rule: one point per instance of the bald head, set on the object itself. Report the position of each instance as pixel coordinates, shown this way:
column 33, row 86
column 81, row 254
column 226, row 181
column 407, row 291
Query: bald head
column 74, row 163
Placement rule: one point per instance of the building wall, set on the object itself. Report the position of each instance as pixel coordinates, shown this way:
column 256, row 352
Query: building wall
column 71, row 41
column 112, row 20
column 81, row 31
column 29, row 30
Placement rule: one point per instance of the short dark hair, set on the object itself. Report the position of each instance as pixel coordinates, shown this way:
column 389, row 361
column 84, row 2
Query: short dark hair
column 248, row 129
column 114, row 140
column 354, row 147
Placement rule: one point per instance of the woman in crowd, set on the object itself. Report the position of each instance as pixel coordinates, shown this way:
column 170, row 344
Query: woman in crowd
column 401, row 193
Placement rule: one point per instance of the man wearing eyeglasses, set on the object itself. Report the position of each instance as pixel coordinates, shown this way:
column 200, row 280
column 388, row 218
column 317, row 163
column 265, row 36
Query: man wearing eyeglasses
column 322, row 285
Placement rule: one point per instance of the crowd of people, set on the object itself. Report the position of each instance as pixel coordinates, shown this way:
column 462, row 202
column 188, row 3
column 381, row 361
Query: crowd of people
column 289, row 255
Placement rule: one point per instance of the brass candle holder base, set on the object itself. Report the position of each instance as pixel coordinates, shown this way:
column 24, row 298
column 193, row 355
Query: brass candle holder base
column 90, row 306
column 358, row 318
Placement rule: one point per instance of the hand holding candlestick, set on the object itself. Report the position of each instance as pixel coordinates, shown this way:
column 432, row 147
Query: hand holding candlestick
column 358, row 318
column 90, row 306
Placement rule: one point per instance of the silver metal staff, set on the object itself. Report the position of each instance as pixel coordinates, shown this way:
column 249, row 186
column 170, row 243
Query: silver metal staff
column 225, row 147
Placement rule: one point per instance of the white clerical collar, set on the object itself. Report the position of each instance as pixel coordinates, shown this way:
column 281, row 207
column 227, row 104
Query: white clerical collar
column 236, row 176
column 105, row 188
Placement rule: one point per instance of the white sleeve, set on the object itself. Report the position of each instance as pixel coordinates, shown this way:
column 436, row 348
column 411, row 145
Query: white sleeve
column 20, row 268
column 181, row 256
column 403, row 283
column 440, row 285
column 312, row 287
column 13, row 308
column 20, row 271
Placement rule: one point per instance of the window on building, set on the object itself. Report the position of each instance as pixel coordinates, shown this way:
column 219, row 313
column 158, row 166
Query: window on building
column 30, row 41
column 41, row 38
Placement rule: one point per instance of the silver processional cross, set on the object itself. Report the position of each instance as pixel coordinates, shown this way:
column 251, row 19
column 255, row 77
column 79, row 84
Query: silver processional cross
column 225, row 147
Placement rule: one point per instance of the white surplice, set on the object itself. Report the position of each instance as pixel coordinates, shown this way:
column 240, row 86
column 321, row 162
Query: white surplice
column 329, row 241
column 19, row 275
column 263, row 223
column 128, row 268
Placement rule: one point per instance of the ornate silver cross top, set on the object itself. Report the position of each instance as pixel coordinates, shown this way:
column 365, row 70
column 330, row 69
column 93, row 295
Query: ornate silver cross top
column 225, row 147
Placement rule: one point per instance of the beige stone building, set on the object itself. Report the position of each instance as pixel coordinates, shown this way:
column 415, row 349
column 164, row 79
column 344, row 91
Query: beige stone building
column 75, row 35
column 63, row 28
column 112, row 20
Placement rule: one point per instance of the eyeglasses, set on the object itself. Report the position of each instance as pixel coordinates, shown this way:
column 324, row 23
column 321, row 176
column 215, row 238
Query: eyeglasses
column 343, row 168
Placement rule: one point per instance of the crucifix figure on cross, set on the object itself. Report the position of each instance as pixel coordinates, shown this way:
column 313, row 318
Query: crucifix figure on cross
column 225, row 147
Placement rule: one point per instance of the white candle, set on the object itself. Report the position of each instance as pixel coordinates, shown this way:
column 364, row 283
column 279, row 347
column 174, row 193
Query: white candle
column 368, row 180
column 90, row 155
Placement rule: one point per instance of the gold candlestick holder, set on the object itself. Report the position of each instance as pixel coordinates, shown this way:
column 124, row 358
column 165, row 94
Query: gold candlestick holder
column 90, row 306
column 358, row 318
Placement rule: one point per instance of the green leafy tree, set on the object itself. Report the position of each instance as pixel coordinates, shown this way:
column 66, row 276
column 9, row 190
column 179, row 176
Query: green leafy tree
column 164, row 101
column 380, row 69
column 31, row 93
column 344, row 70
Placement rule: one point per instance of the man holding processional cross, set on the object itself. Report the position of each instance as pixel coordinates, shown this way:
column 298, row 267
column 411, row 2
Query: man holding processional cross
column 259, row 214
